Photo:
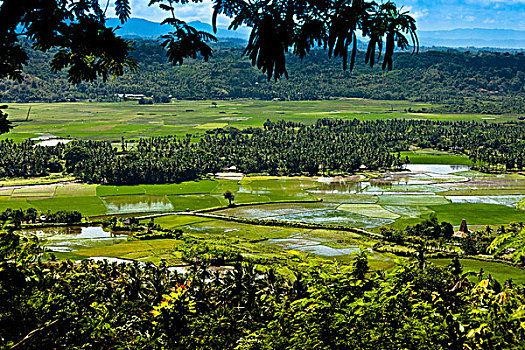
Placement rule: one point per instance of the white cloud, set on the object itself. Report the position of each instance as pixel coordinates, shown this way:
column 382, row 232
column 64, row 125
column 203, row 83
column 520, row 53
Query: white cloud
column 418, row 14
column 190, row 12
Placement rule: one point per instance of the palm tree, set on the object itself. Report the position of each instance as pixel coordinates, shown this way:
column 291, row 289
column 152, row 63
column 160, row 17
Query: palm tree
column 229, row 196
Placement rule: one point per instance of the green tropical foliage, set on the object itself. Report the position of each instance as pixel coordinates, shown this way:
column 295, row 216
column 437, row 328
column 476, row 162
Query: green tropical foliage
column 325, row 306
column 283, row 147
column 473, row 82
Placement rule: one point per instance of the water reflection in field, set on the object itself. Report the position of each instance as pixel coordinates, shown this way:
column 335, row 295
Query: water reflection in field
column 334, row 217
column 437, row 168
column 71, row 238
column 339, row 187
column 508, row 200
column 314, row 247
column 136, row 204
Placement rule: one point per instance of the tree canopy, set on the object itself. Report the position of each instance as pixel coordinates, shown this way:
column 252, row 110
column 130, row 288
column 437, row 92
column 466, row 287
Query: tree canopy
column 89, row 49
column 453, row 81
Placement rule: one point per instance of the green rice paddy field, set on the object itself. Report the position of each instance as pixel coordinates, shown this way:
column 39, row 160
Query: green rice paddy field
column 501, row 272
column 398, row 199
column 370, row 201
column 128, row 119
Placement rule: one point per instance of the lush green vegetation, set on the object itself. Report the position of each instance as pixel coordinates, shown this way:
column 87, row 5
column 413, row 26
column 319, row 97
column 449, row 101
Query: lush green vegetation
column 435, row 157
column 32, row 216
column 304, row 306
column 288, row 258
column 280, row 148
column 101, row 121
column 492, row 213
column 498, row 271
column 475, row 82
column 268, row 262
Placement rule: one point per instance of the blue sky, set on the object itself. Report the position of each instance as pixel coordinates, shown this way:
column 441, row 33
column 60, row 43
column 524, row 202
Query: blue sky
column 430, row 14
column 450, row 14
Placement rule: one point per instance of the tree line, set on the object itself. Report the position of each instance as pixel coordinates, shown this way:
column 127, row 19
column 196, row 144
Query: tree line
column 279, row 148
column 17, row 217
column 475, row 82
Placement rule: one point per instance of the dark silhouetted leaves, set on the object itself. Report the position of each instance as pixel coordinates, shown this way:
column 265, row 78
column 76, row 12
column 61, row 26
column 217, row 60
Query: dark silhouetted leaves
column 279, row 26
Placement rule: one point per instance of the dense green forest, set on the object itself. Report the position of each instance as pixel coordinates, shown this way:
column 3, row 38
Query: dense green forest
column 286, row 148
column 314, row 306
column 476, row 82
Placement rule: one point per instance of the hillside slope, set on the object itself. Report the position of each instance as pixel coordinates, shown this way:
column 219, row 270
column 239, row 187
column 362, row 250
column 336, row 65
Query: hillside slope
column 484, row 82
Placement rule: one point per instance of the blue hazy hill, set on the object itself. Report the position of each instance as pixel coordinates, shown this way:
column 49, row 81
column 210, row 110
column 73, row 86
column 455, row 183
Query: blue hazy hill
column 142, row 28
column 472, row 37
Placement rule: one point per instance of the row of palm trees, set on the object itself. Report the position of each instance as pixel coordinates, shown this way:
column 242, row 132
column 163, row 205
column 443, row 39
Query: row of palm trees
column 279, row 148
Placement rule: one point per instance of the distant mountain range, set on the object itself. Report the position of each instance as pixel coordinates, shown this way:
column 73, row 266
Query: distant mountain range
column 142, row 28
column 495, row 38
column 477, row 37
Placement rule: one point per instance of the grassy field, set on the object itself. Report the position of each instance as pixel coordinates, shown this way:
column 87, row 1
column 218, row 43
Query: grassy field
column 190, row 187
column 477, row 213
column 501, row 272
column 8, row 203
column 88, row 206
column 175, row 221
column 194, row 202
column 75, row 190
column 153, row 251
column 111, row 121
column 427, row 157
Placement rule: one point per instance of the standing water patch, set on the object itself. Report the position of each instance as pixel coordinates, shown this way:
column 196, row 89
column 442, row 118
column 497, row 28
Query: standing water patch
column 136, row 204
column 71, row 238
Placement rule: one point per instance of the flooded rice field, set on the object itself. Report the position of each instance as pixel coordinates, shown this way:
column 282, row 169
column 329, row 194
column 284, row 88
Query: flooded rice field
column 436, row 168
column 508, row 200
column 406, row 196
column 71, row 238
column 136, row 204
column 313, row 246
column 335, row 217
column 381, row 200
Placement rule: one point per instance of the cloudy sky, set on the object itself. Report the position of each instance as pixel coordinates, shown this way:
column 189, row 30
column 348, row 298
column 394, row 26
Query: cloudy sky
column 430, row 14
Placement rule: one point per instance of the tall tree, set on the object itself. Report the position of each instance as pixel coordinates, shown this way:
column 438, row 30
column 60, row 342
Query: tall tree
column 229, row 196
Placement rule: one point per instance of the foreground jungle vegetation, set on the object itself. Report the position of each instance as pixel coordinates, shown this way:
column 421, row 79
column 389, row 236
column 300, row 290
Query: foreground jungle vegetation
column 315, row 305
column 474, row 82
